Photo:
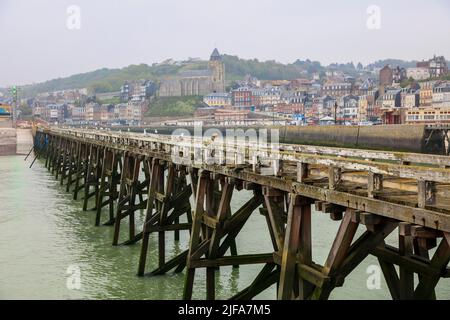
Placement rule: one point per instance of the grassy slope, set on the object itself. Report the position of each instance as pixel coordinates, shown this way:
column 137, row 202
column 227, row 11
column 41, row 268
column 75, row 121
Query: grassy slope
column 173, row 106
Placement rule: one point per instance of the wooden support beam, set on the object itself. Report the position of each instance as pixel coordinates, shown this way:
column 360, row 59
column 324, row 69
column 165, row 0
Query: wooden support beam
column 108, row 158
column 318, row 205
column 328, row 207
column 361, row 247
column 129, row 190
column 234, row 225
column 374, row 184
column 391, row 277
column 223, row 211
column 414, row 263
column 271, row 192
column 72, row 164
column 178, row 262
column 334, row 177
column 405, row 243
column 304, row 246
column 155, row 169
column 370, row 220
column 266, row 277
column 440, row 260
column 233, row 260
column 239, row 185
column 297, row 240
column 195, row 233
column 81, row 169
column 290, row 248
column 302, row 171
column 334, row 210
column 275, row 208
column 311, row 273
column 82, row 155
column 426, row 193
column 423, row 232
column 338, row 252
column 163, row 212
column 336, row 216
column 421, row 248
column 355, row 215
column 222, row 214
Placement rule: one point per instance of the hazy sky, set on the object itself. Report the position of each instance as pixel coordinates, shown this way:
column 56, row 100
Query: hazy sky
column 37, row 45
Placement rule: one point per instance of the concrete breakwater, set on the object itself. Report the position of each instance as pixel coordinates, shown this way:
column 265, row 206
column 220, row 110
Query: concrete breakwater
column 15, row 141
column 405, row 138
column 8, row 141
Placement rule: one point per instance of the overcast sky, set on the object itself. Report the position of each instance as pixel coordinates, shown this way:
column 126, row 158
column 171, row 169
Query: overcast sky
column 36, row 43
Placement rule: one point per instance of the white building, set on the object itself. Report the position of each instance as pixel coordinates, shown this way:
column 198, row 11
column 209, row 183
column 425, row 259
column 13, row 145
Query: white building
column 418, row 73
column 217, row 99
column 441, row 96
column 349, row 107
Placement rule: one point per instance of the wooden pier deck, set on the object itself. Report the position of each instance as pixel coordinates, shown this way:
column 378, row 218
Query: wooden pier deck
column 380, row 191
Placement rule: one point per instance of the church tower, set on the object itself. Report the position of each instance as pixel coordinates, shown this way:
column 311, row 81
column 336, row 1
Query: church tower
column 217, row 69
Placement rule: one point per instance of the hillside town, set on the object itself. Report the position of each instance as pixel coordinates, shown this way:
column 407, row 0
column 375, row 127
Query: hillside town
column 390, row 95
column 225, row 159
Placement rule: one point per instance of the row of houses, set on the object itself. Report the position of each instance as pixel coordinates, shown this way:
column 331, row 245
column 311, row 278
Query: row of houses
column 137, row 90
column 433, row 68
column 411, row 104
column 63, row 95
column 270, row 94
column 391, row 106
column 388, row 106
column 123, row 113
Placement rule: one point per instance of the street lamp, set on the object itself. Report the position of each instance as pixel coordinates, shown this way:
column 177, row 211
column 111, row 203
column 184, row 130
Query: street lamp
column 14, row 97
column 335, row 113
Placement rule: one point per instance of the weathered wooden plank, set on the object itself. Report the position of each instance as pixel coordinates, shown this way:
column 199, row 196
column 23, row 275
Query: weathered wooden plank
column 403, row 171
column 233, row 260
column 404, row 157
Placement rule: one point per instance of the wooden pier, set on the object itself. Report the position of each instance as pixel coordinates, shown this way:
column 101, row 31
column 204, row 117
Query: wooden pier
column 186, row 184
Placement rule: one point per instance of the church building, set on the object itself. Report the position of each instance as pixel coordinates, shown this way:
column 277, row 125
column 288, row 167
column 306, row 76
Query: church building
column 196, row 82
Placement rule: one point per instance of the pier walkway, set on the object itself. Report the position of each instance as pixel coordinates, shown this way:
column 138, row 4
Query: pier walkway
column 186, row 184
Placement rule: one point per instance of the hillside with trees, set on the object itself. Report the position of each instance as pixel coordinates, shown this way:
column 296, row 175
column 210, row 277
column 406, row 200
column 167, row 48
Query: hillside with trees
column 109, row 80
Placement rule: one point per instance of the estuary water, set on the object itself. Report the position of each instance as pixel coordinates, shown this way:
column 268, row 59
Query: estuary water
column 45, row 236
